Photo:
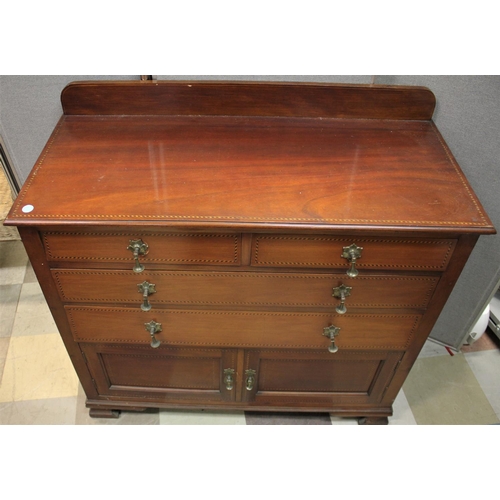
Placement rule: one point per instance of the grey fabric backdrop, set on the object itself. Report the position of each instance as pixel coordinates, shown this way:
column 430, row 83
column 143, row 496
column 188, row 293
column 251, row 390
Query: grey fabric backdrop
column 467, row 114
column 30, row 108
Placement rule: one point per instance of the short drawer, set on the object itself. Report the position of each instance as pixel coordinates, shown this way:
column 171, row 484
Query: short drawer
column 242, row 328
column 377, row 253
column 244, row 288
column 162, row 248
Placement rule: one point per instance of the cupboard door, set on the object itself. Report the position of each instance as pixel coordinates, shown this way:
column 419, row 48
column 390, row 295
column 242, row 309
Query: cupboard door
column 315, row 378
column 173, row 375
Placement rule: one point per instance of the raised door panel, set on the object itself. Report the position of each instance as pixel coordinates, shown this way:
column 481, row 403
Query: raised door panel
column 312, row 378
column 166, row 374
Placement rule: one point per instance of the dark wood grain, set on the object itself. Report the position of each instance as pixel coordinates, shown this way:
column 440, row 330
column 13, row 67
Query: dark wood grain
column 249, row 172
column 314, row 100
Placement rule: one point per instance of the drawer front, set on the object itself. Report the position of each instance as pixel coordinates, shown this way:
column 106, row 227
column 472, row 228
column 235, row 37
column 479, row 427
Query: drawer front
column 171, row 374
column 242, row 328
column 175, row 248
column 249, row 289
column 378, row 253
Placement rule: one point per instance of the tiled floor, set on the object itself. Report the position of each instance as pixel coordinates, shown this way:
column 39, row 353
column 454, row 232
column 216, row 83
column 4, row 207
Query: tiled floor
column 38, row 384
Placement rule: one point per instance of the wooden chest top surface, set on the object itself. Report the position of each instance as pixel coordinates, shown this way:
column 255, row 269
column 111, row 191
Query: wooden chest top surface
column 249, row 171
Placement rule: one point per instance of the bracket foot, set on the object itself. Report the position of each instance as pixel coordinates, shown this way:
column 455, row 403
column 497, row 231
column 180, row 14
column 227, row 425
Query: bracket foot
column 373, row 421
column 103, row 413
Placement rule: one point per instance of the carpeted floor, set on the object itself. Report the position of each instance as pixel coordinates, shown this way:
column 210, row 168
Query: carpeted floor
column 6, row 233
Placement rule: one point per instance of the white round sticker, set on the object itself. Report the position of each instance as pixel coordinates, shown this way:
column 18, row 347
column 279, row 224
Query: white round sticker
column 27, row 209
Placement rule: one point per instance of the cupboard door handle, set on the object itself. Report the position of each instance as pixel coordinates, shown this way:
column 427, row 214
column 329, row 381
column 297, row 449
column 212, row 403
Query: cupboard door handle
column 146, row 289
column 229, row 378
column 352, row 253
column 138, row 247
column 250, row 379
column 331, row 332
column 341, row 292
column 153, row 327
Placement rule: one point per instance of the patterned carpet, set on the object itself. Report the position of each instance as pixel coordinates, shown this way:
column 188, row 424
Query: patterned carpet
column 6, row 233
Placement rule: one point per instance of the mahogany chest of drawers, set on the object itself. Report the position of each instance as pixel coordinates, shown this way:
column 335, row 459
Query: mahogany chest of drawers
column 256, row 246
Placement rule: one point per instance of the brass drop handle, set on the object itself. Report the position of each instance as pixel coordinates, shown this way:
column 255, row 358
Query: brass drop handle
column 138, row 247
column 341, row 292
column 229, row 378
column 250, row 379
column 146, row 289
column 331, row 332
column 153, row 327
column 352, row 253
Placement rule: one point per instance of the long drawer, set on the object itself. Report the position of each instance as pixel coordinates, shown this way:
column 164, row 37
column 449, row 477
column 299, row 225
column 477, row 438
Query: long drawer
column 243, row 288
column 242, row 328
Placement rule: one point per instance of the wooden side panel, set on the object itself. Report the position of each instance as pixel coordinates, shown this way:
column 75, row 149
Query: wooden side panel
column 249, row 99
column 463, row 250
column 34, row 248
